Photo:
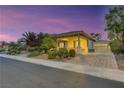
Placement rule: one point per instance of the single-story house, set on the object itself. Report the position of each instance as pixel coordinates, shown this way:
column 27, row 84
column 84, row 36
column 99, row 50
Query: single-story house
column 78, row 40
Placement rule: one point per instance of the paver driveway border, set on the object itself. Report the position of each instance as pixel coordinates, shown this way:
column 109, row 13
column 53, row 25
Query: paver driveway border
column 112, row 74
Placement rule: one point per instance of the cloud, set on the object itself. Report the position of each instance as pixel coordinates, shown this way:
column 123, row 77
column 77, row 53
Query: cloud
column 5, row 37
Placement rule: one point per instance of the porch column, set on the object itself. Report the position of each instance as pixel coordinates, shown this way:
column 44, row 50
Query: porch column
column 57, row 46
column 79, row 47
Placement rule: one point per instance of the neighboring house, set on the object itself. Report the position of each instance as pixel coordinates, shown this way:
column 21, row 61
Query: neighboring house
column 3, row 44
column 78, row 40
column 102, row 46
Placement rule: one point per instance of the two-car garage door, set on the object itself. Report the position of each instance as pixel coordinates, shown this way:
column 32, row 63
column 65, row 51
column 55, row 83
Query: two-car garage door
column 101, row 47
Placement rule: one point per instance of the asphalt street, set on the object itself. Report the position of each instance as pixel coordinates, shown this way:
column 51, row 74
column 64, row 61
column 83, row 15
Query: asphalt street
column 17, row 74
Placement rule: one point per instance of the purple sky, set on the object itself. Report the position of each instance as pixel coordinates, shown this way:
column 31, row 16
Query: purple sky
column 15, row 20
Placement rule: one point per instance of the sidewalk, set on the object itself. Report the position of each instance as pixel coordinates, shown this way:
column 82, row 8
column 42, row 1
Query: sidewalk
column 112, row 74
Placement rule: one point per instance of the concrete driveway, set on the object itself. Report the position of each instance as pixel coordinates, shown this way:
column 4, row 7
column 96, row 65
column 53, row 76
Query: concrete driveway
column 24, row 75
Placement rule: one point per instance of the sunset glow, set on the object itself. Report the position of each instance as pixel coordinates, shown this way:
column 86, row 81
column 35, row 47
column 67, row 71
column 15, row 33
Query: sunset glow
column 15, row 20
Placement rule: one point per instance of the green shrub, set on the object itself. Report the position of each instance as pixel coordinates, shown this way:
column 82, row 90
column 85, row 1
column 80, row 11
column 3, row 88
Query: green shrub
column 63, row 53
column 2, row 49
column 13, row 49
column 52, row 54
column 116, row 47
column 33, row 54
column 72, row 53
column 121, row 50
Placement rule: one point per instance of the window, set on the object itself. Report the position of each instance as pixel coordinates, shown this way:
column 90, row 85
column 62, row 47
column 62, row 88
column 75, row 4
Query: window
column 63, row 44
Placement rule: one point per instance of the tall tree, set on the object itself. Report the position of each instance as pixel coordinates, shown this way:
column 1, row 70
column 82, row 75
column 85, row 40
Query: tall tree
column 96, row 36
column 48, row 43
column 115, row 24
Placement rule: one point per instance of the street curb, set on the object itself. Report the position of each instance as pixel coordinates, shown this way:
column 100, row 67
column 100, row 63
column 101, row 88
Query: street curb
column 112, row 74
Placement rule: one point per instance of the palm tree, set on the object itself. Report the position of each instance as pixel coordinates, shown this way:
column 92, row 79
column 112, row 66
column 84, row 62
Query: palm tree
column 30, row 38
